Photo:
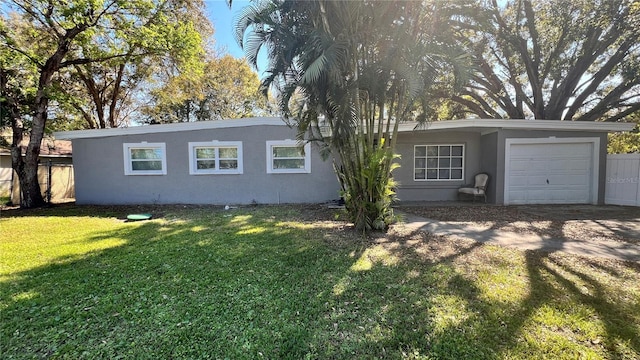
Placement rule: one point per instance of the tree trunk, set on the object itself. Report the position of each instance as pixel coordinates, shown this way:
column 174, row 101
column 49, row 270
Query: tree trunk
column 115, row 95
column 30, row 193
column 28, row 173
column 27, row 168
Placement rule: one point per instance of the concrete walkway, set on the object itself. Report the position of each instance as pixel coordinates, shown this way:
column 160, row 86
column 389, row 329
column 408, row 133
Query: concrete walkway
column 605, row 249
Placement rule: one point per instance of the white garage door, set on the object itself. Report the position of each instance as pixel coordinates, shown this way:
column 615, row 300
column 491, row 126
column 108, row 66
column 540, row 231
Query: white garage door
column 549, row 173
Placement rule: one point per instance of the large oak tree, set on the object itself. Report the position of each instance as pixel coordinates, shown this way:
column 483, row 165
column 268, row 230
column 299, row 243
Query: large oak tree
column 63, row 35
column 560, row 60
column 112, row 93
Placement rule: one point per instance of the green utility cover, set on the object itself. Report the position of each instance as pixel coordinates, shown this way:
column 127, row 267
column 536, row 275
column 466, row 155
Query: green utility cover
column 136, row 217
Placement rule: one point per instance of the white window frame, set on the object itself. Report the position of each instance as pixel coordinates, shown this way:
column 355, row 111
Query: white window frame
column 438, row 157
column 128, row 168
column 193, row 167
column 288, row 143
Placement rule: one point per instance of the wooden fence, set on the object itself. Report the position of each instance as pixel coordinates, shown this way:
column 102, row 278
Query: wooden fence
column 623, row 180
column 56, row 182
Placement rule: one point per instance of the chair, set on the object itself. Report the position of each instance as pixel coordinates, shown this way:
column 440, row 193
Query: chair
column 479, row 189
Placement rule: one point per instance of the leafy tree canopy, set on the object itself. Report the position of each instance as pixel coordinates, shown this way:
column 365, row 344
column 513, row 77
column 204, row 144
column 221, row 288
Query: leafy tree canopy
column 628, row 142
column 227, row 88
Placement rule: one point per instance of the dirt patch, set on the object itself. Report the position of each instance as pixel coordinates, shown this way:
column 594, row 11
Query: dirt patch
column 570, row 222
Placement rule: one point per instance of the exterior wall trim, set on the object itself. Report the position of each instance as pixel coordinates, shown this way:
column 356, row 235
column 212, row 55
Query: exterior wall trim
column 465, row 124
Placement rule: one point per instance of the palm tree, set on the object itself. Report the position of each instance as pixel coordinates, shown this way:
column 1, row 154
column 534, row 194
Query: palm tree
column 358, row 68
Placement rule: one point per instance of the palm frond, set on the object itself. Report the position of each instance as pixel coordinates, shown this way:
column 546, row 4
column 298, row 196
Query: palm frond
column 255, row 15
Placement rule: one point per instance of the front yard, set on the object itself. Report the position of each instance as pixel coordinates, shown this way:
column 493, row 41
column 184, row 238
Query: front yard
column 294, row 282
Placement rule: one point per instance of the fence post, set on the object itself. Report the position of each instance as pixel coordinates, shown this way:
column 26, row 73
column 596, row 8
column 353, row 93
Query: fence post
column 638, row 193
column 49, row 181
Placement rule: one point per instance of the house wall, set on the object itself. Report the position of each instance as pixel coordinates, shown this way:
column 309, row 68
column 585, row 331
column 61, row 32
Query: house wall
column 483, row 153
column 100, row 179
column 511, row 134
column 489, row 162
column 435, row 190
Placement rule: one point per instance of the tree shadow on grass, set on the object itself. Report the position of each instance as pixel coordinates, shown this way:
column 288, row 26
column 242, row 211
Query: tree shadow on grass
column 442, row 306
column 252, row 285
column 553, row 317
column 547, row 221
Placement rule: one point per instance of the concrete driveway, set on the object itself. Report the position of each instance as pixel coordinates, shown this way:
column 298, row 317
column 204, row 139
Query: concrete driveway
column 603, row 231
column 621, row 220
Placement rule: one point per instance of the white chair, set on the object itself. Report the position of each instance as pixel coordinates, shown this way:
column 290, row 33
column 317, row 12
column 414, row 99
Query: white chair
column 479, row 189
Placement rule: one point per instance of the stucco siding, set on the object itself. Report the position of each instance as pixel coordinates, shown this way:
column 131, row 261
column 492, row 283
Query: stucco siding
column 434, row 190
column 489, row 162
column 100, row 177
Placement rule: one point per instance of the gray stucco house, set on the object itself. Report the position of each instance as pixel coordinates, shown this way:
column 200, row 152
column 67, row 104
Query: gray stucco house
column 255, row 161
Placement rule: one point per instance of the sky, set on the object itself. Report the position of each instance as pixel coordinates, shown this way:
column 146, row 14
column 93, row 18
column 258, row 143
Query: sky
column 222, row 18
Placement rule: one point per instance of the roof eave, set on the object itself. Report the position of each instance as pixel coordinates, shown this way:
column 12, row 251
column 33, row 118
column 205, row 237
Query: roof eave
column 481, row 125
column 164, row 128
column 517, row 124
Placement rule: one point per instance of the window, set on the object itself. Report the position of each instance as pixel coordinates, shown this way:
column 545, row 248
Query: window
column 287, row 157
column 215, row 157
column 145, row 159
column 438, row 162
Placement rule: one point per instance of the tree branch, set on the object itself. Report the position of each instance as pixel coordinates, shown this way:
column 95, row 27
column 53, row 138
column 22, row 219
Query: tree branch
column 617, row 117
column 40, row 17
column 22, row 52
column 84, row 61
column 599, row 77
column 593, row 47
column 478, row 106
column 608, row 102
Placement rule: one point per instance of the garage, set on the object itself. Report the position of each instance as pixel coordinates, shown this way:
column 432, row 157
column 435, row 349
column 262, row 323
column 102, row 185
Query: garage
column 551, row 171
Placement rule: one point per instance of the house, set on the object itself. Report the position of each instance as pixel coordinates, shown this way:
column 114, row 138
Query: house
column 56, row 153
column 241, row 161
column 528, row 161
column 255, row 160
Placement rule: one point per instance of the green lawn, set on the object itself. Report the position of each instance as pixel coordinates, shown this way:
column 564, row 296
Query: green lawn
column 294, row 283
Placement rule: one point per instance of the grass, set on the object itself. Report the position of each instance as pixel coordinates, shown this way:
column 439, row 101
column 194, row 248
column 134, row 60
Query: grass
column 294, row 283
